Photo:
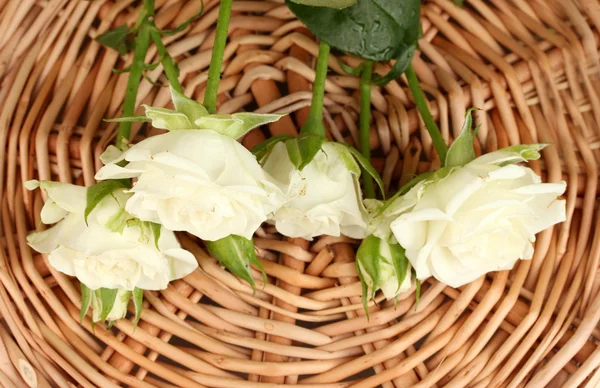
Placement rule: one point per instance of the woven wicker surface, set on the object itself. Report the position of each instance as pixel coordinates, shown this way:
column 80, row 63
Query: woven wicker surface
column 531, row 66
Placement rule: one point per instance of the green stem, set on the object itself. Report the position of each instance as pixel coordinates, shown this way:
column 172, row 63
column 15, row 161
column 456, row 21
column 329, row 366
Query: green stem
column 365, row 124
column 142, row 41
column 216, row 61
column 167, row 62
column 432, row 128
column 314, row 123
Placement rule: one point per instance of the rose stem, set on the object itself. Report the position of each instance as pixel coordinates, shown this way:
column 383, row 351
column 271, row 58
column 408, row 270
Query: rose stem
column 365, row 124
column 216, row 61
column 142, row 41
column 432, row 128
column 314, row 123
column 167, row 62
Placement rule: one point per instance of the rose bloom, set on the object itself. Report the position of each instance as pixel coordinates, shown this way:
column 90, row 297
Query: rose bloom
column 196, row 181
column 327, row 200
column 463, row 222
column 376, row 261
column 113, row 249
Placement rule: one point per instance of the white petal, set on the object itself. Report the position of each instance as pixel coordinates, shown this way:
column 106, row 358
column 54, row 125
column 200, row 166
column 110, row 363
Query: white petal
column 52, row 213
column 69, row 197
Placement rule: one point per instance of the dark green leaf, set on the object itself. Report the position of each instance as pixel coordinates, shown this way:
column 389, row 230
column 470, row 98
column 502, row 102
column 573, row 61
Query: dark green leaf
column 115, row 39
column 235, row 253
column 184, row 25
column 378, row 30
column 107, row 297
column 97, row 192
column 462, row 151
column 86, row 300
column 402, row 62
column 138, row 298
column 339, row 4
column 263, row 149
column 366, row 165
column 460, row 3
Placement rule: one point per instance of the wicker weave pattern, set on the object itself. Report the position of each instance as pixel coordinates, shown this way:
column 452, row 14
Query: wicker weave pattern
column 532, row 67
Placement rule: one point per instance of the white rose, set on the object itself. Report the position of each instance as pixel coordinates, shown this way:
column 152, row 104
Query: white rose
column 463, row 222
column 196, row 181
column 329, row 200
column 113, row 250
column 118, row 310
column 379, row 264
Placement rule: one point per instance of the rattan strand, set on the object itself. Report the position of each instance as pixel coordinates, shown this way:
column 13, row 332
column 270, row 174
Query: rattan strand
column 532, row 66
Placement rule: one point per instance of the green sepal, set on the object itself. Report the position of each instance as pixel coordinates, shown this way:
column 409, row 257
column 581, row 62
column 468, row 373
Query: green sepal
column 366, row 165
column 155, row 228
column 130, row 119
column 168, row 119
column 417, row 290
column 462, row 151
column 235, row 253
column 303, row 149
column 262, row 150
column 367, row 263
column 192, row 109
column 106, row 297
column 97, row 192
column 138, row 298
column 86, row 301
column 235, row 125
column 400, row 262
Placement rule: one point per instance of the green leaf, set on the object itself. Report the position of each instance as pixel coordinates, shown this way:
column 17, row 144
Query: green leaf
column 189, row 107
column 402, row 62
column 86, row 300
column 235, row 125
column 106, row 297
column 115, row 39
column 131, row 119
column 366, row 165
column 262, row 150
column 138, row 298
column 164, row 118
column 155, row 228
column 235, row 253
column 339, row 4
column 460, row 3
column 97, row 192
column 462, row 151
column 378, row 30
column 367, row 260
column 186, row 23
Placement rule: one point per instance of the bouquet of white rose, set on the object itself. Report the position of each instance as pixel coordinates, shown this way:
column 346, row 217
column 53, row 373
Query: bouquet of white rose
column 471, row 217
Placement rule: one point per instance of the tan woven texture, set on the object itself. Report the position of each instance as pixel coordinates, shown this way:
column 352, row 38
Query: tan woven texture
column 530, row 65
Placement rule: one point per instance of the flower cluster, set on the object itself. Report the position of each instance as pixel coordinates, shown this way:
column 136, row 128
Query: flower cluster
column 117, row 238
